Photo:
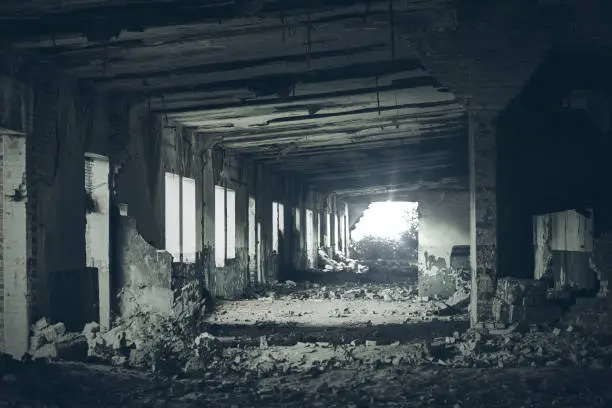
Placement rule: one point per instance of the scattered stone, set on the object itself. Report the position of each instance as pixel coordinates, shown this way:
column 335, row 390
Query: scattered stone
column 54, row 332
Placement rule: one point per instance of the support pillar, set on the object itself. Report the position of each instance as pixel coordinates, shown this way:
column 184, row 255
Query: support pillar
column 14, row 307
column 483, row 212
column 97, row 230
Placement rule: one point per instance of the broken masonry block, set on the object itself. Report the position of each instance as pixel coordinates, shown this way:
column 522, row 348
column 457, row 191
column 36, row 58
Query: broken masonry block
column 40, row 324
column 54, row 332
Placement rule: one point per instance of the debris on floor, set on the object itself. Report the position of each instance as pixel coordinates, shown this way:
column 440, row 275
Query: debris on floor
column 338, row 263
column 206, row 356
column 307, row 290
column 51, row 341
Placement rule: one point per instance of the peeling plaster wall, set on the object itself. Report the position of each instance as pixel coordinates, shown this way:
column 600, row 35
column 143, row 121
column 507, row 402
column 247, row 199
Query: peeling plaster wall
column 564, row 244
column 444, row 221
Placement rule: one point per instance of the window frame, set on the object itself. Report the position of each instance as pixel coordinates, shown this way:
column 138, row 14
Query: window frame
column 180, row 208
column 222, row 263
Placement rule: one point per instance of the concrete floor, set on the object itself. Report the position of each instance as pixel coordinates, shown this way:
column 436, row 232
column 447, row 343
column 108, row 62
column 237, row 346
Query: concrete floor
column 94, row 386
column 350, row 348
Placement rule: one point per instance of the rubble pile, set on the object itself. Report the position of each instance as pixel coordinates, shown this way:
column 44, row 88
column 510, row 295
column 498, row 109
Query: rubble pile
column 51, row 341
column 338, row 263
column 393, row 266
column 142, row 339
column 404, row 291
column 161, row 342
column 550, row 347
column 533, row 347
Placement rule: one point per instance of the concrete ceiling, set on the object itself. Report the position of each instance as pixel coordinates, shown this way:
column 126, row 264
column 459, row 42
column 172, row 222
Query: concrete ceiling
column 323, row 89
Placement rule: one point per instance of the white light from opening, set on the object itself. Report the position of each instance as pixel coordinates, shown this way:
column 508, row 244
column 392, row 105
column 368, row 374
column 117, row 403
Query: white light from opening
column 383, row 220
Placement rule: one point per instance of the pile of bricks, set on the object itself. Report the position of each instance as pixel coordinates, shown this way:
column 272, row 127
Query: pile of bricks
column 52, row 341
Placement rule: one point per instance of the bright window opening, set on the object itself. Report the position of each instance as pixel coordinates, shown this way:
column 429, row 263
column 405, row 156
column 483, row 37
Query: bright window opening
column 327, row 230
column 298, row 221
column 219, row 226
column 310, row 244
column 231, row 223
column 189, row 220
column 225, row 225
column 180, row 215
column 387, row 230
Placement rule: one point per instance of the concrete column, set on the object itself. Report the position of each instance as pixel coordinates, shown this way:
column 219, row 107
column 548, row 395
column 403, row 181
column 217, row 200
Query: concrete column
column 483, row 211
column 97, row 230
column 444, row 223
column 14, row 307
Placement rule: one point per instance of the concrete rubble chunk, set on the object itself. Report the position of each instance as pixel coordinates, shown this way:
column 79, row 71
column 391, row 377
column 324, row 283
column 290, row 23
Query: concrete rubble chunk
column 54, row 332
column 91, row 330
column 40, row 324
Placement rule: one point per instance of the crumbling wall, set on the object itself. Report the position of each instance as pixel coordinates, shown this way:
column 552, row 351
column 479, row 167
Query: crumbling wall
column 144, row 273
column 444, row 221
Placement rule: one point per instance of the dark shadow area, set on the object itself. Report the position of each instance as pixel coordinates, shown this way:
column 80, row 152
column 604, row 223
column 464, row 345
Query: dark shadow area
column 552, row 156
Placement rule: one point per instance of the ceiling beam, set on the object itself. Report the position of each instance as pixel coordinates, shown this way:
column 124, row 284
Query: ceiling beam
column 378, row 131
column 408, row 83
column 244, row 64
column 104, row 21
column 272, row 155
column 340, row 170
column 414, row 178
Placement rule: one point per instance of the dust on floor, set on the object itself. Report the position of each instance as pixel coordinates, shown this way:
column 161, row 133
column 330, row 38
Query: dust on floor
column 252, row 358
column 76, row 385
column 311, row 304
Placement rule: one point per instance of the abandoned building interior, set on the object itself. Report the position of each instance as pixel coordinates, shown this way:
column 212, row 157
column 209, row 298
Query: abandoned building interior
column 189, row 173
